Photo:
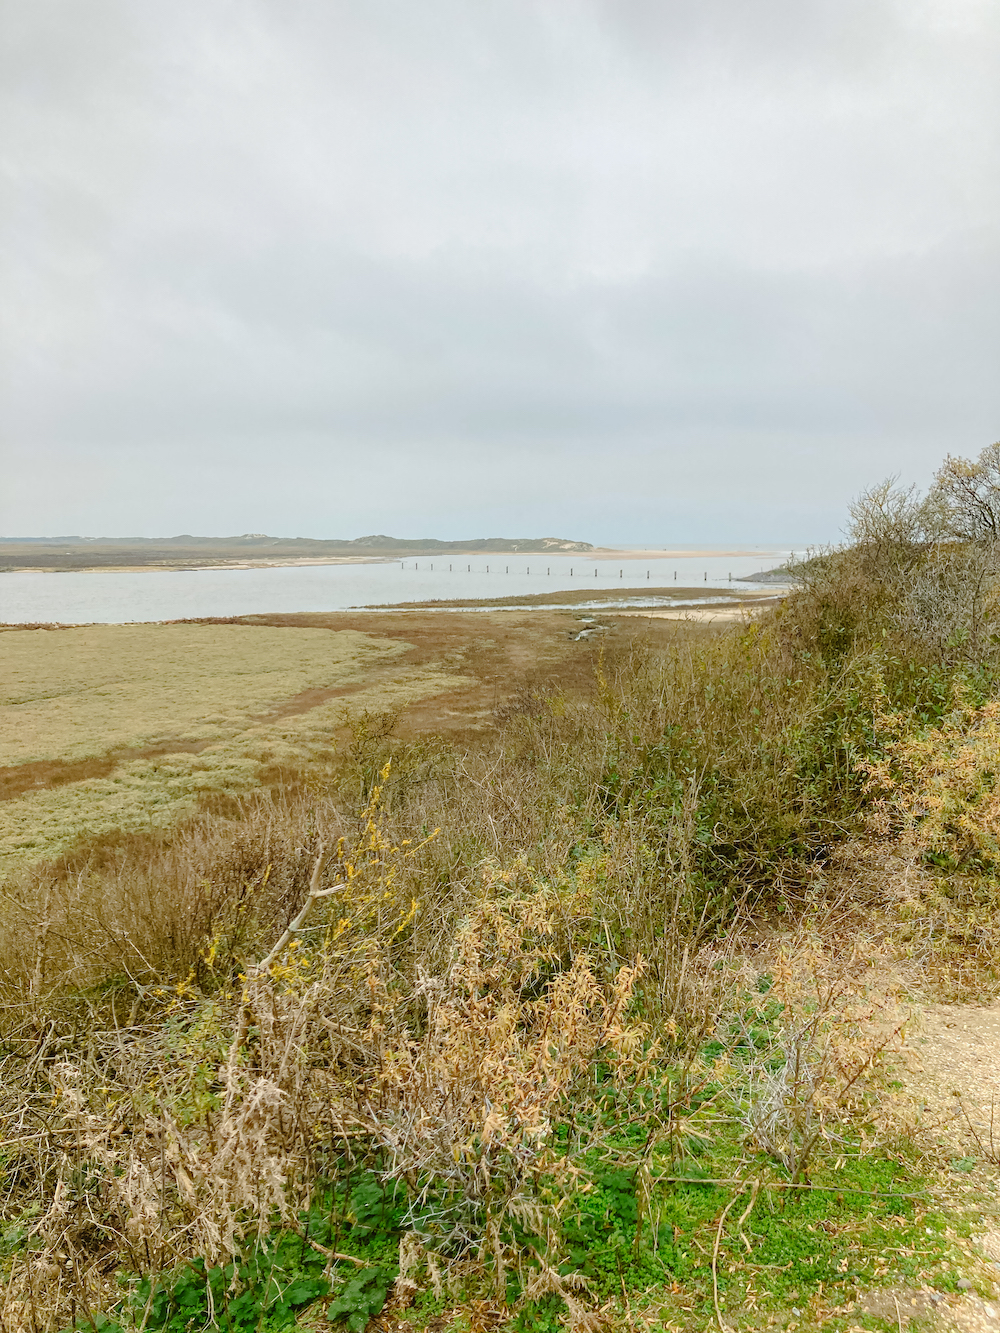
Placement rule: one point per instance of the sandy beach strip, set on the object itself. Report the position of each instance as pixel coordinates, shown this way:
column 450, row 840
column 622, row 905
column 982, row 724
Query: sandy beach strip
column 191, row 562
column 605, row 553
column 705, row 615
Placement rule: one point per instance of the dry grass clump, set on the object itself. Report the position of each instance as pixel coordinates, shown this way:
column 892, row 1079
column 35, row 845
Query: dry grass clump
column 234, row 876
column 466, row 1113
column 201, row 1118
column 940, row 785
column 819, row 1031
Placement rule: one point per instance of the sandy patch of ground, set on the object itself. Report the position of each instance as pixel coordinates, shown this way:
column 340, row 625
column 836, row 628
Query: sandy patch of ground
column 932, row 1312
column 719, row 614
column 608, row 552
column 192, row 564
column 950, row 1067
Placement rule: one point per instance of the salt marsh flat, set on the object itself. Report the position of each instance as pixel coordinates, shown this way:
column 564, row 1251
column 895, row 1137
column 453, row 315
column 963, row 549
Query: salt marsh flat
column 114, row 726
column 107, row 728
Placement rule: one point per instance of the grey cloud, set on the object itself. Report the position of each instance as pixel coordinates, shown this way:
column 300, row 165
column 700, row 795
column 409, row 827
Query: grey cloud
column 519, row 263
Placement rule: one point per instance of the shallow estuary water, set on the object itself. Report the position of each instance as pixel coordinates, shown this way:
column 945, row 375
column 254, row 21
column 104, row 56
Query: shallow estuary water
column 120, row 597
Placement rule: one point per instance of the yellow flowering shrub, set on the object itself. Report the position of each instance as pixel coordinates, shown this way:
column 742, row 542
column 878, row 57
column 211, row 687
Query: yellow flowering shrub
column 940, row 786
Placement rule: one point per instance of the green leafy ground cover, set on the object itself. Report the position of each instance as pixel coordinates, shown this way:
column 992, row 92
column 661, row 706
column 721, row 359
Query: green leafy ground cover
column 659, row 1224
column 643, row 1236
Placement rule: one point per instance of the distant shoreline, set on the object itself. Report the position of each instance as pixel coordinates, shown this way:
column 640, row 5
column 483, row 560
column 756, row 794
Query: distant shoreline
column 190, row 562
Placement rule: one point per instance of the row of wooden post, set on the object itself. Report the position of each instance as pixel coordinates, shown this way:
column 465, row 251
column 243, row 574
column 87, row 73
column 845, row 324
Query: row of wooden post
column 548, row 571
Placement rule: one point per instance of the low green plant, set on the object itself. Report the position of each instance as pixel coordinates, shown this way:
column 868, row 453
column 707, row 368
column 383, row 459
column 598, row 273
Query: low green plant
column 266, row 1283
column 362, row 1296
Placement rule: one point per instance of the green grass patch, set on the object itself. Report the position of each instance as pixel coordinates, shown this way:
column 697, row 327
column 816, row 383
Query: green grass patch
column 269, row 1282
column 812, row 1250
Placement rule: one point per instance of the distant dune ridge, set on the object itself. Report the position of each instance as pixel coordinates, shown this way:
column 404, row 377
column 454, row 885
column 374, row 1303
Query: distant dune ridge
column 94, row 552
column 383, row 543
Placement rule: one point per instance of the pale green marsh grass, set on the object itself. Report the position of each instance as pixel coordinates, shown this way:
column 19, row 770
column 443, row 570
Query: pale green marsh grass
column 73, row 695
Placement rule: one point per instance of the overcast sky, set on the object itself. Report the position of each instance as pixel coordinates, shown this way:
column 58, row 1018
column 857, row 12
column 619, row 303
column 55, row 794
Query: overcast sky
column 671, row 271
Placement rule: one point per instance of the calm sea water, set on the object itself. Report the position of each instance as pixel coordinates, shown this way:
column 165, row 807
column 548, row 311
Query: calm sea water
column 114, row 597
